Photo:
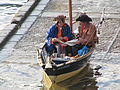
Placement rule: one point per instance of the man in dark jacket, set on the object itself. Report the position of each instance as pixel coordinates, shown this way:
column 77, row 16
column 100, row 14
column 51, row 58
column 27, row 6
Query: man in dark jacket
column 59, row 31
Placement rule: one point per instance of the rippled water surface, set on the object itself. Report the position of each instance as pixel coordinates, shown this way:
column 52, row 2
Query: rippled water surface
column 8, row 8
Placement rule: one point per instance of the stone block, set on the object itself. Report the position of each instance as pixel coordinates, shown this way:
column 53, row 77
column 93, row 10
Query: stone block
column 17, row 20
column 35, row 13
column 31, row 18
column 21, row 31
column 20, row 13
column 40, row 7
column 16, row 38
column 25, row 8
column 10, row 27
column 26, row 25
column 1, row 39
column 30, row 2
column 44, row 2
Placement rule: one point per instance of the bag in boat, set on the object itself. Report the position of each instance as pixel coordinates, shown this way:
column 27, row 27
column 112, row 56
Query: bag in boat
column 83, row 51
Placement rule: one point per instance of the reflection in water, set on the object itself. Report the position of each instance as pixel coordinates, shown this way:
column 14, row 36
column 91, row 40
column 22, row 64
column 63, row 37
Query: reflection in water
column 84, row 80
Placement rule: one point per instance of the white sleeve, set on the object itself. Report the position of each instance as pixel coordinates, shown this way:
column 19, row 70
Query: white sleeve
column 76, row 31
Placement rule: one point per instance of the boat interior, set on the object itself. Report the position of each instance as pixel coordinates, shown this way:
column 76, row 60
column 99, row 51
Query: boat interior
column 59, row 57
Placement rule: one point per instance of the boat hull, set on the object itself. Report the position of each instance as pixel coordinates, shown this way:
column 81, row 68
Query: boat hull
column 64, row 76
column 65, row 71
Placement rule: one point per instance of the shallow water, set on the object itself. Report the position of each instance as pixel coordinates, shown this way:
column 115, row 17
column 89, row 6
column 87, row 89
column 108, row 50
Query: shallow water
column 110, row 78
column 8, row 8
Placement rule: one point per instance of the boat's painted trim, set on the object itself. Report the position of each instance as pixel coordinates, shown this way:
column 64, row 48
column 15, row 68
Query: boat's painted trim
column 65, row 76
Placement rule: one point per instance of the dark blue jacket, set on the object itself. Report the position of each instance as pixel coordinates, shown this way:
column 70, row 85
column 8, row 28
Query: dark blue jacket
column 53, row 32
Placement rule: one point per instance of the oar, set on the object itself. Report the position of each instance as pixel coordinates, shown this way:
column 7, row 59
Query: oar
column 48, row 62
column 39, row 58
column 102, row 18
column 46, row 80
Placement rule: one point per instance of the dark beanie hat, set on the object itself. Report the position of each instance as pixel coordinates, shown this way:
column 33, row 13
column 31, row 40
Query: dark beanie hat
column 84, row 18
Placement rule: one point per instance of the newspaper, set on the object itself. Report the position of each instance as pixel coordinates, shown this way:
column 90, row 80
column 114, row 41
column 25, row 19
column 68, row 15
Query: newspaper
column 70, row 43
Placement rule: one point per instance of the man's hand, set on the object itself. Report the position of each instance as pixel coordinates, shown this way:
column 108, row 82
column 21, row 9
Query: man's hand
column 54, row 39
column 61, row 38
column 78, row 42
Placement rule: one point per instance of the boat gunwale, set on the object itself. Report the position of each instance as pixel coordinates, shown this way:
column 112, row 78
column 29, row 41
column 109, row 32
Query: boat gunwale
column 76, row 59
